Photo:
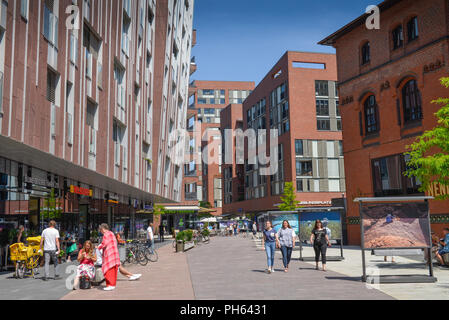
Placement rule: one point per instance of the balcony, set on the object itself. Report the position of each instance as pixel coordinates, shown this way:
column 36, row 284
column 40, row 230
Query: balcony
column 190, row 174
column 193, row 66
column 193, row 38
column 191, row 196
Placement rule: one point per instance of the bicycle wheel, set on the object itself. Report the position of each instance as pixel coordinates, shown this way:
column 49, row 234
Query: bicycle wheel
column 143, row 261
column 206, row 239
column 20, row 271
column 153, row 256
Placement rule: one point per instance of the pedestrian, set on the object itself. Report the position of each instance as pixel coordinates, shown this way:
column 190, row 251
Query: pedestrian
column 320, row 242
column 235, row 230
column 286, row 242
column 161, row 233
column 19, row 235
column 51, row 247
column 254, row 230
column 269, row 242
column 150, row 236
column 111, row 258
column 87, row 259
column 445, row 247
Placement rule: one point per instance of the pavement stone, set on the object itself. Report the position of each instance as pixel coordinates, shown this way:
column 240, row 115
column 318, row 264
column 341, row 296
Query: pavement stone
column 233, row 268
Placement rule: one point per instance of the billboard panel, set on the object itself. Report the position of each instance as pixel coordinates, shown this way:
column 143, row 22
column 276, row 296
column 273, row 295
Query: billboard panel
column 330, row 219
column 396, row 225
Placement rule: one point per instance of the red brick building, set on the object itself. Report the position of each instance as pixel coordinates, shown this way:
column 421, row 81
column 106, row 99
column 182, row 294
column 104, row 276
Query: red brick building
column 86, row 110
column 387, row 80
column 207, row 100
column 298, row 97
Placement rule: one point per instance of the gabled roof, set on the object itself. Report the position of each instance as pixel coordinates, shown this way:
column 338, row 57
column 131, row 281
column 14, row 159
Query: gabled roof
column 330, row 40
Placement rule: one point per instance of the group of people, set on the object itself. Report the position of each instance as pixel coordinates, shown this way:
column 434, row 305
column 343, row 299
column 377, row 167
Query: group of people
column 106, row 254
column 285, row 238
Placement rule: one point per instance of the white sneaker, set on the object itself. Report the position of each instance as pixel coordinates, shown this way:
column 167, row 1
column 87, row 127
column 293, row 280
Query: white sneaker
column 268, row 271
column 135, row 277
column 109, row 288
column 272, row 270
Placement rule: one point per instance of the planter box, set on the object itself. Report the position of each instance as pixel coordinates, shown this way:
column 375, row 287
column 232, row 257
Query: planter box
column 188, row 245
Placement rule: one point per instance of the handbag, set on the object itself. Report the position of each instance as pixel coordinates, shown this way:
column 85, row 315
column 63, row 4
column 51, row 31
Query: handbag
column 85, row 283
column 72, row 248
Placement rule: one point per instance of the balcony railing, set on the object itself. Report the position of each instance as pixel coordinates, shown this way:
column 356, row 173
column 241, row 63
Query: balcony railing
column 191, row 196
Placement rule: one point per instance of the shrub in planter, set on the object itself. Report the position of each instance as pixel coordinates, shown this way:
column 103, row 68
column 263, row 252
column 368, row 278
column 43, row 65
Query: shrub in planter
column 205, row 232
column 180, row 236
column 188, row 235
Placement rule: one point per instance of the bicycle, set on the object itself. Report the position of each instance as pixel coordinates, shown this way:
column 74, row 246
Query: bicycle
column 135, row 254
column 151, row 254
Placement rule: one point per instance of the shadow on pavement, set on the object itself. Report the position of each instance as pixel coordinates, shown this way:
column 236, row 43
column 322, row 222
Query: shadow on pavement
column 355, row 279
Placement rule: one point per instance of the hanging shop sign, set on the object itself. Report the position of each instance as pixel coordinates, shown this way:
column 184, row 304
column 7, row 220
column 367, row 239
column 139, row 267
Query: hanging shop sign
column 81, row 191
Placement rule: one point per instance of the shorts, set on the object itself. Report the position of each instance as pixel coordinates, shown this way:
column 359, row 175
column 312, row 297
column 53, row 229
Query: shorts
column 442, row 252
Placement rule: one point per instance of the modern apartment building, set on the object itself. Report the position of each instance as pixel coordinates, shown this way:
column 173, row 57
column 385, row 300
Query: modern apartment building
column 387, row 80
column 298, row 98
column 207, row 100
column 86, row 104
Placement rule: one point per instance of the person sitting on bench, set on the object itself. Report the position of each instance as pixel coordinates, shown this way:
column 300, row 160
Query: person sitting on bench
column 445, row 243
column 86, row 258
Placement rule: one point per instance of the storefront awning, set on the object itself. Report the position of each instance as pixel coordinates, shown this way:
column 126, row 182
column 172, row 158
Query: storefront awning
column 17, row 151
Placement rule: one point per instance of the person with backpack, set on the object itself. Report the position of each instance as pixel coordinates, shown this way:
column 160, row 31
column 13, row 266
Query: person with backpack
column 286, row 242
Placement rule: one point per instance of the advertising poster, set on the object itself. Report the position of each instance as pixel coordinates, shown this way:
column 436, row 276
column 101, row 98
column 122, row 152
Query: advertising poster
column 292, row 219
column 404, row 225
column 330, row 219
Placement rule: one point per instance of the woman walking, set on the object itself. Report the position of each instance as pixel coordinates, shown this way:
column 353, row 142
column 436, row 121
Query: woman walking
column 286, row 241
column 111, row 259
column 269, row 242
column 320, row 242
column 86, row 258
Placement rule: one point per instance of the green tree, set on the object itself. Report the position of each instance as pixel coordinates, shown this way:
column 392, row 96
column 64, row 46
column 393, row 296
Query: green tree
column 429, row 154
column 205, row 204
column 289, row 202
column 159, row 210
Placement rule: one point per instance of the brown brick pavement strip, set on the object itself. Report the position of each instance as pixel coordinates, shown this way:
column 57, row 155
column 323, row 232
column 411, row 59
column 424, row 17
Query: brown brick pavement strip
column 167, row 279
column 233, row 269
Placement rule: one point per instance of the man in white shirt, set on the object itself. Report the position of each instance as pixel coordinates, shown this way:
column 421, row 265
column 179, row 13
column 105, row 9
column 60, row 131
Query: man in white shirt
column 150, row 236
column 50, row 244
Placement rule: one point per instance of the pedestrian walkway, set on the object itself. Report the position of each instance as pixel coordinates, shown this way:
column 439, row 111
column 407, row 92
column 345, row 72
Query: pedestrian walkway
column 233, row 269
column 167, row 279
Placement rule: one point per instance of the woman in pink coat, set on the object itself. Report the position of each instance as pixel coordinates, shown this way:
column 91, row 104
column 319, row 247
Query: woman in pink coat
column 111, row 258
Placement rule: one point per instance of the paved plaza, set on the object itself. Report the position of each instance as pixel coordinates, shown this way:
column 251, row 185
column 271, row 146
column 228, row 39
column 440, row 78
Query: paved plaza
column 233, row 268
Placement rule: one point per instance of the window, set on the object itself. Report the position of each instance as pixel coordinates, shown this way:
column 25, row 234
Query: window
column 208, row 92
column 52, row 82
column 411, row 101
column 201, row 101
column 299, row 185
column 339, row 127
column 412, row 29
column 371, row 122
column 24, row 9
column 366, row 53
column 191, row 123
column 304, row 168
column 398, row 37
column 323, row 124
column 340, row 148
column 322, row 107
column 321, row 88
column 299, row 147
column 50, row 23
column 388, row 177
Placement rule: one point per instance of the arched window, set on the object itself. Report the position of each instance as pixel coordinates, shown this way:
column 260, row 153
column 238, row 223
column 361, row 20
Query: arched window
column 366, row 57
column 371, row 118
column 398, row 37
column 411, row 99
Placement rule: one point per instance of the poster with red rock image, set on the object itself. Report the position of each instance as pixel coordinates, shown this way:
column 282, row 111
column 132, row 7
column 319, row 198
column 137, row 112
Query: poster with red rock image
column 393, row 225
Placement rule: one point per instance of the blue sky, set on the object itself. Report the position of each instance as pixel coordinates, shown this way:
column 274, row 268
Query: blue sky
column 242, row 39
